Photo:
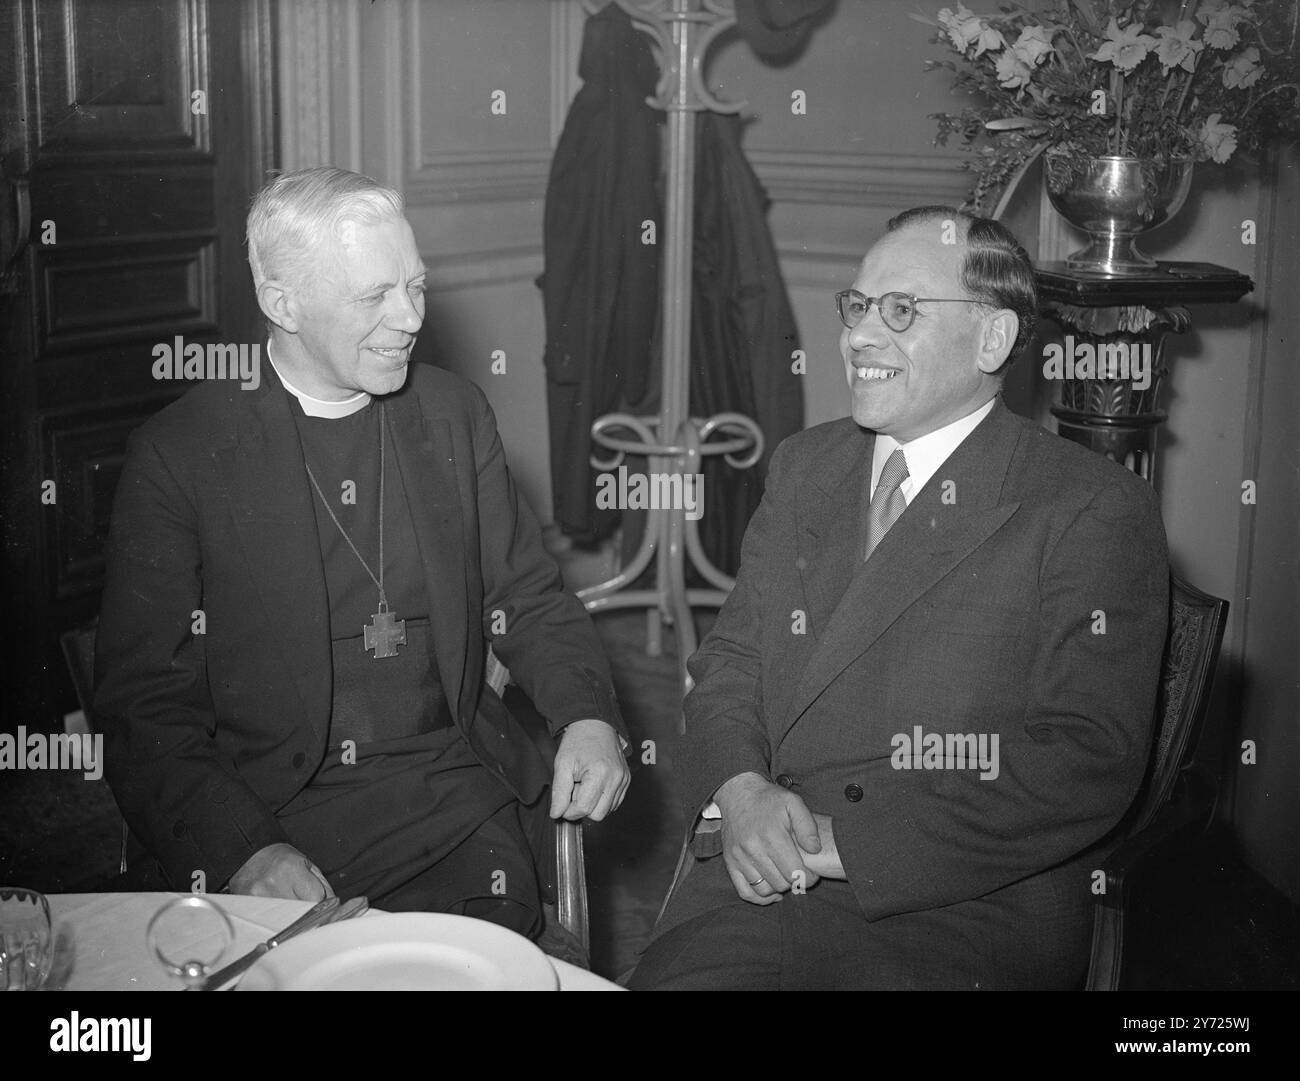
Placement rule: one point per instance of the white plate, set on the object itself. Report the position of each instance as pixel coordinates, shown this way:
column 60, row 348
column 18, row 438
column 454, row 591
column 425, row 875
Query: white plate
column 404, row 951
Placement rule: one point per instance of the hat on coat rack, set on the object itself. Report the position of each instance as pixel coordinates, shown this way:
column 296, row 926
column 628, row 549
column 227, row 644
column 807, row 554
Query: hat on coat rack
column 776, row 28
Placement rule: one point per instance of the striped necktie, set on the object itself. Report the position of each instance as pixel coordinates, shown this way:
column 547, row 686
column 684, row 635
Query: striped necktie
column 888, row 502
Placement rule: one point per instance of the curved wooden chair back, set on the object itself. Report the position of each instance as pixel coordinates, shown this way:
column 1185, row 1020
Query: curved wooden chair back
column 1176, row 801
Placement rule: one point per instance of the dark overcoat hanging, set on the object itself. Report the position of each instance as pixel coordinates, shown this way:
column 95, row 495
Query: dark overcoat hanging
column 601, row 282
column 743, row 333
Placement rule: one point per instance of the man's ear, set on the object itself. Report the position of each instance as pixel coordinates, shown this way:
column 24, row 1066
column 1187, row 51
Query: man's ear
column 279, row 305
column 997, row 339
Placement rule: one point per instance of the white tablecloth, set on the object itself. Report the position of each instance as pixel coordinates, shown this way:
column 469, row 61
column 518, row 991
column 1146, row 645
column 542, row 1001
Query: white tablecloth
column 99, row 940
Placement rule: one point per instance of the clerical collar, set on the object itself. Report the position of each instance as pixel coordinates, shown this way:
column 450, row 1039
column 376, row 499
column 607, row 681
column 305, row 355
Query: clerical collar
column 318, row 407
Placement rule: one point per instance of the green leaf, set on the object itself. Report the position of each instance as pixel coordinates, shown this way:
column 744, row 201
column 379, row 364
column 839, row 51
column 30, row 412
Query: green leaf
column 1016, row 123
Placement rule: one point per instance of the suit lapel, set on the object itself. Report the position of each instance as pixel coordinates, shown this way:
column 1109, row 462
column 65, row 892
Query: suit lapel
column 271, row 503
column 426, row 456
column 828, row 514
column 931, row 537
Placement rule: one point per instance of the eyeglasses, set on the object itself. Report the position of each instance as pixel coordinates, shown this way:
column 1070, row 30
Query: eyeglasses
column 897, row 310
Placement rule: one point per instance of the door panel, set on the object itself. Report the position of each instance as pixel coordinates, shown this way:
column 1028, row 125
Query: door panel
column 119, row 72
column 134, row 134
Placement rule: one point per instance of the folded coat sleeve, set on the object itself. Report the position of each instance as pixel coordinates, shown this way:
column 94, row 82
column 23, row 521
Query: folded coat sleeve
column 179, row 793
column 725, row 730
column 539, row 631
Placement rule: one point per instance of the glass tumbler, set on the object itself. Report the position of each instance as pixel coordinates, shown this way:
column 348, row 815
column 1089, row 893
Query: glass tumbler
column 26, row 941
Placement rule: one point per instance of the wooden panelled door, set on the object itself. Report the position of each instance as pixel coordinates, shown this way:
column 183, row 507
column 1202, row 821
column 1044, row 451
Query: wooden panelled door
column 134, row 132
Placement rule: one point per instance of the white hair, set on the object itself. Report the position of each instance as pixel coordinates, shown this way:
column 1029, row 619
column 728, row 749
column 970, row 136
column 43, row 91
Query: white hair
column 291, row 214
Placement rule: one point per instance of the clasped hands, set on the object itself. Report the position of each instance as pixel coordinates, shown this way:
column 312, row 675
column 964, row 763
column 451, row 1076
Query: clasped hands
column 770, row 838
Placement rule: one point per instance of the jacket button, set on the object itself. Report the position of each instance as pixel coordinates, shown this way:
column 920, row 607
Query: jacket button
column 853, row 793
column 178, row 830
column 785, row 780
column 298, row 760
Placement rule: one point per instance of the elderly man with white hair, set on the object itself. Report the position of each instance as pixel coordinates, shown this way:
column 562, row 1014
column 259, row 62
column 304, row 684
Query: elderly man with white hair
column 304, row 578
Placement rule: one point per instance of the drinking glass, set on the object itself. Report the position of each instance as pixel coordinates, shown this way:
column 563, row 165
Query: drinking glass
column 26, row 944
column 189, row 935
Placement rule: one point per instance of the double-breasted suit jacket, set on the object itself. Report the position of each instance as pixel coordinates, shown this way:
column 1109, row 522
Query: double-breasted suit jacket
column 1021, row 598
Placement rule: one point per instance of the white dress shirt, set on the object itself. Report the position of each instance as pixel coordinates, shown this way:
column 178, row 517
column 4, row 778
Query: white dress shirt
column 926, row 453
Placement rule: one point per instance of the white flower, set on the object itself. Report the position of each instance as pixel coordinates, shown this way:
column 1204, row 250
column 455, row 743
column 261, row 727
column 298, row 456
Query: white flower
column 1126, row 48
column 966, row 29
column 1033, row 45
column 988, row 40
column 1242, row 70
column 1178, row 48
column 1218, row 140
column 1221, row 27
column 955, row 26
column 1012, row 71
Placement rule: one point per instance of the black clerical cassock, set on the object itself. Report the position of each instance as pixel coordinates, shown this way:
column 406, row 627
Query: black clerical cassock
column 400, row 810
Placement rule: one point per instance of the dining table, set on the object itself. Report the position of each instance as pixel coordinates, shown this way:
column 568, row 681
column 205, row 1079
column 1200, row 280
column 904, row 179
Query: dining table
column 100, row 940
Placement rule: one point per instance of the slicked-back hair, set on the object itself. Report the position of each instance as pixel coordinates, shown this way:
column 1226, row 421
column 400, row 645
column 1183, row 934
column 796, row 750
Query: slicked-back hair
column 995, row 268
column 296, row 212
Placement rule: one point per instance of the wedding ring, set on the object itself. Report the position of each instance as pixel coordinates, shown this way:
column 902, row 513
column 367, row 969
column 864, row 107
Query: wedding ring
column 756, row 881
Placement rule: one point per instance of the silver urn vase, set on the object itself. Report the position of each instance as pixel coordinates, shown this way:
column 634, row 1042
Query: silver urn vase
column 1114, row 200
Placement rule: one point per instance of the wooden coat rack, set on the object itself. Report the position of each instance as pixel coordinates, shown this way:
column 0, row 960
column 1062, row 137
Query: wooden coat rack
column 673, row 441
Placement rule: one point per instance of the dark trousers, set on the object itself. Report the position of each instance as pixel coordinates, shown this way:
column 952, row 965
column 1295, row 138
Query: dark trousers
column 490, row 876
column 820, row 941
column 465, row 882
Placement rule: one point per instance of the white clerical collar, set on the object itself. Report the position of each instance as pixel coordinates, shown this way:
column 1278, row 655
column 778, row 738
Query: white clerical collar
column 928, row 452
column 318, row 407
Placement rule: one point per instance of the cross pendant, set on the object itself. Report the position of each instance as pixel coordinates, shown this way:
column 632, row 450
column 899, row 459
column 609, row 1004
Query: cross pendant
column 384, row 633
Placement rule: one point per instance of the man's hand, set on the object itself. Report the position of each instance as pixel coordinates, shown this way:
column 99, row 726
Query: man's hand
column 280, row 870
column 591, row 774
column 766, row 831
column 825, row 863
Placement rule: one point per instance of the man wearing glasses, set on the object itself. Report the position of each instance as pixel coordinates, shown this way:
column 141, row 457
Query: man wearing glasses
column 927, row 703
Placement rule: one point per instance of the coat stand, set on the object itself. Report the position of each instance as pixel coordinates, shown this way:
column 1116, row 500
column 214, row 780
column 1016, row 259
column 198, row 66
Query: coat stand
column 674, row 442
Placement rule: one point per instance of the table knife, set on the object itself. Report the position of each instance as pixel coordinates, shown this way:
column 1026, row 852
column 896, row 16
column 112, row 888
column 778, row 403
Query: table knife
column 317, row 914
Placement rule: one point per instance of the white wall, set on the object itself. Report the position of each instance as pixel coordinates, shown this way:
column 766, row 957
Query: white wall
column 1266, row 621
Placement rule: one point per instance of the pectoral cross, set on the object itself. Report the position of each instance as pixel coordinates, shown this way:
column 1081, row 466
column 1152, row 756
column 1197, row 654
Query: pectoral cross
column 384, row 633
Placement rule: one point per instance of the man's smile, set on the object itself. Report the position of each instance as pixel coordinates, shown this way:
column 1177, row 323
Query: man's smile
column 872, row 373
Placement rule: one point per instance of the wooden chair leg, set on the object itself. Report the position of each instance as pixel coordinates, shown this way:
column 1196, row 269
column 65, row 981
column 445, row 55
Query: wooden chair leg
column 571, row 882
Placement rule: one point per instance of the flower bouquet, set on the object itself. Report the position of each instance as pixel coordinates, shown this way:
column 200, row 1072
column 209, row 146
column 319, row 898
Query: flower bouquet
column 1160, row 82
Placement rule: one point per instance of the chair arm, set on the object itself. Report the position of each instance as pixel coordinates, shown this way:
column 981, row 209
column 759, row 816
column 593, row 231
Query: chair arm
column 571, row 880
column 1170, row 833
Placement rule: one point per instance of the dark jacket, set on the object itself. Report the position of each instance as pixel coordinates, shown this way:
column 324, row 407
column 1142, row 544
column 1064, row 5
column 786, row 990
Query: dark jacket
column 977, row 613
column 601, row 284
column 207, row 736
column 743, row 333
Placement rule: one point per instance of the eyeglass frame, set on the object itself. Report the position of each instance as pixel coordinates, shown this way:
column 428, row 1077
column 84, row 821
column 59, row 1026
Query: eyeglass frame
column 914, row 301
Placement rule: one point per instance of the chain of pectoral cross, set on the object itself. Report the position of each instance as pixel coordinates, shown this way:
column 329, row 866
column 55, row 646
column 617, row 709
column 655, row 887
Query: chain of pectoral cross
column 385, row 632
